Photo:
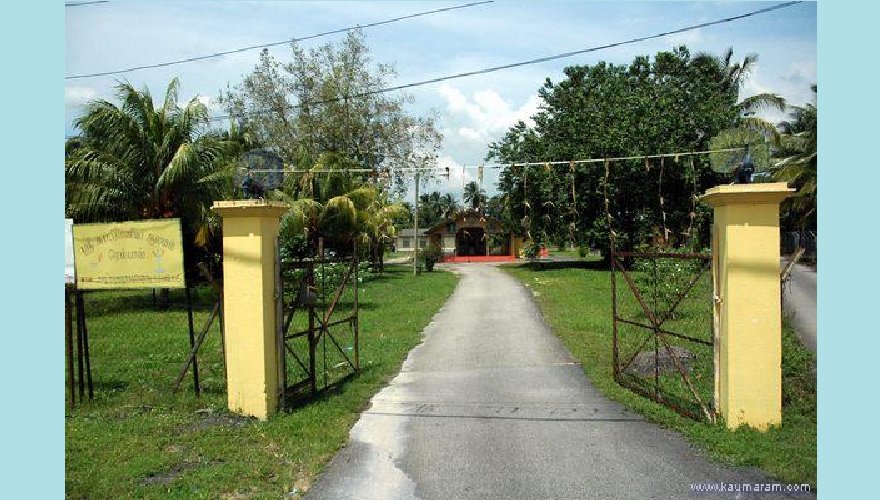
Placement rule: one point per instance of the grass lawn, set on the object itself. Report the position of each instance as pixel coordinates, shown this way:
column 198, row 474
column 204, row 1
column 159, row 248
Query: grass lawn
column 576, row 303
column 573, row 254
column 397, row 255
column 138, row 440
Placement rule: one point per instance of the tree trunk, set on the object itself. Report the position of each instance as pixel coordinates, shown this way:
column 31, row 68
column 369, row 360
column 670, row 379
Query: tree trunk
column 381, row 257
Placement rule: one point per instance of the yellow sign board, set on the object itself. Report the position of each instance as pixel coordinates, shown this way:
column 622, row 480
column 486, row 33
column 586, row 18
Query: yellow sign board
column 137, row 254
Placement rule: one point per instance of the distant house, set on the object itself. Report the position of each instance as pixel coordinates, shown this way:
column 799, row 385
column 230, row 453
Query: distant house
column 405, row 240
column 471, row 234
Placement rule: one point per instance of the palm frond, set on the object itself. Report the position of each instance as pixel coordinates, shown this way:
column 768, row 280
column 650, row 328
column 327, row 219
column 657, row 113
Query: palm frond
column 764, row 101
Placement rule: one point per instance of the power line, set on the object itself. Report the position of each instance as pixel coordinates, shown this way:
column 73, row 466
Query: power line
column 272, row 44
column 528, row 62
column 80, row 4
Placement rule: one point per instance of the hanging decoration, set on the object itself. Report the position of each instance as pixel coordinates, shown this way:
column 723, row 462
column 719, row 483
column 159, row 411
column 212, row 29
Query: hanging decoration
column 665, row 239
column 608, row 217
column 573, row 195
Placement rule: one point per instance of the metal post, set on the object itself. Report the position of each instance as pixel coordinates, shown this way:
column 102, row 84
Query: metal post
column 311, row 286
column 416, row 229
column 279, row 325
column 192, row 339
column 615, row 339
column 656, row 330
column 79, row 346
column 222, row 331
column 324, row 330
column 68, row 342
column 357, row 356
column 85, row 343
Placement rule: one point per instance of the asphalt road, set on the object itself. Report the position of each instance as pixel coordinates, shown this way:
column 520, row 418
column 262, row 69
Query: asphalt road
column 492, row 406
column 799, row 301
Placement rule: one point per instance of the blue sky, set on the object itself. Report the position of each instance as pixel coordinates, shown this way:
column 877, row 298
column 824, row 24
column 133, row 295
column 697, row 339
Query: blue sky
column 472, row 112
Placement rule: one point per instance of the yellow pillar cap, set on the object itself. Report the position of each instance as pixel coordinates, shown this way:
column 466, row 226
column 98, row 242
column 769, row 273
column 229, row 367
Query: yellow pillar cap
column 747, row 194
column 250, row 208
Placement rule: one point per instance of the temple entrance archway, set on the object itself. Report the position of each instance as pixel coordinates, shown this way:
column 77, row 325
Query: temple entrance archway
column 470, row 241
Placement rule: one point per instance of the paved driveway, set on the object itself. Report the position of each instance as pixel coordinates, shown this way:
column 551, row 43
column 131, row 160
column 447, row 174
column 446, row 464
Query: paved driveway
column 799, row 300
column 492, row 406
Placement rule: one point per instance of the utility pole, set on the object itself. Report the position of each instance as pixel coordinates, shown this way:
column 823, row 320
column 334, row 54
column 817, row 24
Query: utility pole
column 416, row 228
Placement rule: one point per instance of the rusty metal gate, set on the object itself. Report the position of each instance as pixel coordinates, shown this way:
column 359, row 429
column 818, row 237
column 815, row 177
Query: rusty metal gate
column 317, row 307
column 663, row 330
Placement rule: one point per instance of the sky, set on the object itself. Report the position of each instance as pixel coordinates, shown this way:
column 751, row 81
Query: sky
column 471, row 112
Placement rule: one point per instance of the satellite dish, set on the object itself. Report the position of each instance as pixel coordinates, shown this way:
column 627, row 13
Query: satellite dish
column 265, row 167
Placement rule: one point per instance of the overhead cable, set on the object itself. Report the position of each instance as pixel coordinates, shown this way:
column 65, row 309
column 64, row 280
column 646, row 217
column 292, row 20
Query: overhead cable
column 527, row 62
column 272, row 44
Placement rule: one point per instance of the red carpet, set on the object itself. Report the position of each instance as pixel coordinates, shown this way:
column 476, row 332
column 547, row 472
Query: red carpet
column 478, row 258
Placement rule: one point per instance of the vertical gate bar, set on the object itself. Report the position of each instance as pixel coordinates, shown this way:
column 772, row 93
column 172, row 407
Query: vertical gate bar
column 85, row 337
column 355, row 283
column 79, row 346
column 324, row 331
column 192, row 340
column 313, row 382
column 222, row 331
column 656, row 332
column 279, row 326
column 68, row 343
column 615, row 348
column 716, row 320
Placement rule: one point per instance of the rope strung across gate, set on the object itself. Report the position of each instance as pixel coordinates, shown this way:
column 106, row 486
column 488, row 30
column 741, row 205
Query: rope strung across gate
column 496, row 166
column 690, row 171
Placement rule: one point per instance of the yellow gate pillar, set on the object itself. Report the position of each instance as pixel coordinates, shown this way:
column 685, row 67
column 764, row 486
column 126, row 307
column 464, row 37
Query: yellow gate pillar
column 745, row 263
column 250, row 232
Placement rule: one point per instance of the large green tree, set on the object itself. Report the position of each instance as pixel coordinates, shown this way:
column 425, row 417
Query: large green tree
column 330, row 100
column 133, row 160
column 672, row 103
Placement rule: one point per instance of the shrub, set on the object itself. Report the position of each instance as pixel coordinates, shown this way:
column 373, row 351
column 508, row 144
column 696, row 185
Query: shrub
column 665, row 277
column 431, row 254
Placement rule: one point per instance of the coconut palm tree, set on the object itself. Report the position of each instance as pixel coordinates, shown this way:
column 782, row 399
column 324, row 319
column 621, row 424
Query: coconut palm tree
column 796, row 161
column 449, row 205
column 474, row 195
column 748, row 129
column 364, row 214
column 135, row 161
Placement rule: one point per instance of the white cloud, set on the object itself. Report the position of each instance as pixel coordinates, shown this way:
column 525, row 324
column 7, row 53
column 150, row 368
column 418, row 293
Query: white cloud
column 209, row 102
column 486, row 116
column 77, row 96
column 469, row 133
column 752, row 86
column 458, row 176
column 801, row 74
column 793, row 85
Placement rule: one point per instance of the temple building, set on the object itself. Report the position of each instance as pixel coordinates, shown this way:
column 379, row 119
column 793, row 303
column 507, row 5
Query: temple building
column 473, row 237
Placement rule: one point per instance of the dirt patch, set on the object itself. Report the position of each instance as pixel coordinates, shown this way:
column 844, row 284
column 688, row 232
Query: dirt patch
column 167, row 477
column 207, row 419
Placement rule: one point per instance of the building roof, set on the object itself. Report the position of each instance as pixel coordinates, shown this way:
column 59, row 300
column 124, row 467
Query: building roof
column 408, row 232
column 461, row 215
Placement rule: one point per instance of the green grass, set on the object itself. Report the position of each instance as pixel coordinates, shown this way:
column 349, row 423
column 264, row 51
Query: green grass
column 138, row 440
column 573, row 254
column 396, row 255
column 576, row 303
